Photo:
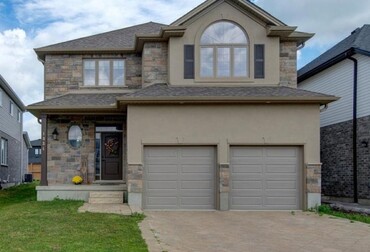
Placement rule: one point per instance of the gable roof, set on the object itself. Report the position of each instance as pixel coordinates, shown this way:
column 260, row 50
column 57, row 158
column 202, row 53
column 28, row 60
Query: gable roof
column 10, row 92
column 36, row 142
column 357, row 42
column 244, row 4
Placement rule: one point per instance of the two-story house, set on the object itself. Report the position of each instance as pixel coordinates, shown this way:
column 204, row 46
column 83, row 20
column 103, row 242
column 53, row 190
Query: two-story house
column 344, row 71
column 14, row 143
column 203, row 113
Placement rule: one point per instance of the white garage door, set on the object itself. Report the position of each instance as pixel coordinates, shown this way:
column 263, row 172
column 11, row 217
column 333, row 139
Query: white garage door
column 179, row 178
column 265, row 178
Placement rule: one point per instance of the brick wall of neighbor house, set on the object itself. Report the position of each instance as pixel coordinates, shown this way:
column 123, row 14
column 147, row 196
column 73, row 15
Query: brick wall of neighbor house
column 336, row 156
column 14, row 160
column 65, row 162
column 64, row 73
column 288, row 64
column 154, row 67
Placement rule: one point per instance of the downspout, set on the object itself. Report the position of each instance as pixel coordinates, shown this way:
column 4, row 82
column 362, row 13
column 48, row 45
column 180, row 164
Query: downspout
column 354, row 129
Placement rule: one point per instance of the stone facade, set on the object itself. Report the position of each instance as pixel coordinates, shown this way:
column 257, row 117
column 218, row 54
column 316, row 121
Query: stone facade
column 135, row 178
column 313, row 178
column 64, row 161
column 155, row 63
column 64, row 73
column 288, row 64
column 337, row 159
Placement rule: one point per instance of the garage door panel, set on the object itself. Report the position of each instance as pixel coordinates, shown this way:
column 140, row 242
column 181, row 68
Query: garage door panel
column 244, row 168
column 281, row 152
column 179, row 178
column 196, row 168
column 197, row 184
column 265, row 178
column 249, row 185
column 281, row 185
column 162, row 185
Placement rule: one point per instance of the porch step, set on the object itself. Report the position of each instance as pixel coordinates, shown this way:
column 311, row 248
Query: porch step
column 106, row 197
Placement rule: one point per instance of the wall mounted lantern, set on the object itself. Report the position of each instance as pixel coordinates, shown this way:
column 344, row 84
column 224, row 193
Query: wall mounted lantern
column 55, row 134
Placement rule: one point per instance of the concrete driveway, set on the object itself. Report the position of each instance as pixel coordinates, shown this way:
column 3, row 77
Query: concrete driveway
column 252, row 231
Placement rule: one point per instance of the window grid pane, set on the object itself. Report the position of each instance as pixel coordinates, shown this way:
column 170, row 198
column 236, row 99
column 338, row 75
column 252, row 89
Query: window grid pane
column 240, row 62
column 223, row 62
column 89, row 72
column 104, row 73
column 118, row 72
column 4, row 152
column 206, row 64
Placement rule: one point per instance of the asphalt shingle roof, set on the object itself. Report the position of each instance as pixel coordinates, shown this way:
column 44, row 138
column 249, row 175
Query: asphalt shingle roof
column 359, row 39
column 164, row 90
column 117, row 39
column 83, row 100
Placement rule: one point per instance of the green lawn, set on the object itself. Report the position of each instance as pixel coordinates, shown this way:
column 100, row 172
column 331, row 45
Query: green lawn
column 325, row 209
column 28, row 225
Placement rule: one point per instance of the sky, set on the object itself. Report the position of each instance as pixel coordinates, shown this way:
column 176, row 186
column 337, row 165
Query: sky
column 28, row 24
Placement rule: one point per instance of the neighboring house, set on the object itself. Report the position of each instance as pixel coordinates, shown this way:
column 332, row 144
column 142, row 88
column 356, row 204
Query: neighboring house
column 203, row 113
column 344, row 71
column 34, row 159
column 13, row 142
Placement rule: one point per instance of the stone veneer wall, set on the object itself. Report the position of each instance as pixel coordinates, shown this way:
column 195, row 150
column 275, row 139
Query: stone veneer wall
column 63, row 161
column 288, row 64
column 336, row 156
column 64, row 73
column 154, row 67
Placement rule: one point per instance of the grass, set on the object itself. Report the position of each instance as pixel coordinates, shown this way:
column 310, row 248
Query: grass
column 28, row 225
column 325, row 209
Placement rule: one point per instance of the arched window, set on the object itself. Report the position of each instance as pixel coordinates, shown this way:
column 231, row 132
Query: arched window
column 223, row 51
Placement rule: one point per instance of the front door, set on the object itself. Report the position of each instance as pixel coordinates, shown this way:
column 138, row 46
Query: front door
column 111, row 156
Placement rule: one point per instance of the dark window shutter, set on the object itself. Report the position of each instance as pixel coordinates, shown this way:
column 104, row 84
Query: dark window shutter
column 259, row 61
column 188, row 61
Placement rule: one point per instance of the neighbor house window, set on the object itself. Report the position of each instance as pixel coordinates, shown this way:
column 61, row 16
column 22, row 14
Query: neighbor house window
column 107, row 72
column 37, row 152
column 19, row 116
column 11, row 108
column 224, row 51
column 3, row 151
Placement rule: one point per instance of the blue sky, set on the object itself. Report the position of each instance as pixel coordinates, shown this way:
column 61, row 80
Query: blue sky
column 28, row 24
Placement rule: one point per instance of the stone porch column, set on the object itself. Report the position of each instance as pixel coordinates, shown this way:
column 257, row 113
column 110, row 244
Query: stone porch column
column 313, row 185
column 44, row 156
column 224, row 176
column 135, row 185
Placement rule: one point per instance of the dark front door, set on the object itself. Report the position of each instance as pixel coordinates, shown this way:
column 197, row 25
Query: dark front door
column 111, row 156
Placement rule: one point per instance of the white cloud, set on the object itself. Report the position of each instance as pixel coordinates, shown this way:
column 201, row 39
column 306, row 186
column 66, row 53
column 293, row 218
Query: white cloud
column 331, row 20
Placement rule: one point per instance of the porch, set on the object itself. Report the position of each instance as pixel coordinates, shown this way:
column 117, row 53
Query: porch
column 82, row 192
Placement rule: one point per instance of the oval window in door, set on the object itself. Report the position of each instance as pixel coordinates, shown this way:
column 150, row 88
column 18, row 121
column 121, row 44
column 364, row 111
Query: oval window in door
column 75, row 136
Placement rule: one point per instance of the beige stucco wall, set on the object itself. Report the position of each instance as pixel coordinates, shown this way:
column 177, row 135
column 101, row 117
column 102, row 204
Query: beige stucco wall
column 222, row 126
column 257, row 35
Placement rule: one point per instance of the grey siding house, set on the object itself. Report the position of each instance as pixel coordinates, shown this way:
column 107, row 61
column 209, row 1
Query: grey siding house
column 13, row 147
column 343, row 71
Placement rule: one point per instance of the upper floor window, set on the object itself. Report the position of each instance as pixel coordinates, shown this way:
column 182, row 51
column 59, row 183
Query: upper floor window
column 3, row 151
column 19, row 116
column 11, row 108
column 104, row 72
column 37, row 151
column 224, row 51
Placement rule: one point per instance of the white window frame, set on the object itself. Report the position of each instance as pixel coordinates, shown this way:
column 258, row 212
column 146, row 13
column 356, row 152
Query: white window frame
column 3, row 152
column 231, row 48
column 11, row 108
column 111, row 73
column 19, row 116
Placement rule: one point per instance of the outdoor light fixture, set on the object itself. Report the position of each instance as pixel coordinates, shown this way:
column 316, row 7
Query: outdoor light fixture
column 55, row 134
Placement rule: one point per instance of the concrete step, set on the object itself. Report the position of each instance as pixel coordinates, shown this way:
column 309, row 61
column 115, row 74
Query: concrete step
column 106, row 194
column 106, row 200
column 106, row 197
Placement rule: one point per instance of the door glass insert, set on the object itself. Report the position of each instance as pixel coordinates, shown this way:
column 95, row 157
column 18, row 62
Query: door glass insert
column 97, row 156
